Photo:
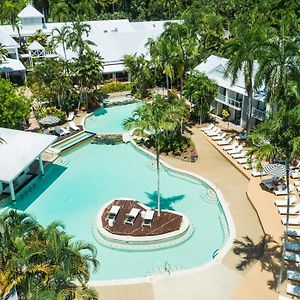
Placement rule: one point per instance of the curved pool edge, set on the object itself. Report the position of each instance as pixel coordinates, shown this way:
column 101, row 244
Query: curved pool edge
column 178, row 273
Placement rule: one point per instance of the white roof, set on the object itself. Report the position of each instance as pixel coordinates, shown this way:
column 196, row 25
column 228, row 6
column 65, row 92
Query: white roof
column 214, row 68
column 11, row 65
column 30, row 12
column 7, row 41
column 20, row 149
column 113, row 68
column 35, row 46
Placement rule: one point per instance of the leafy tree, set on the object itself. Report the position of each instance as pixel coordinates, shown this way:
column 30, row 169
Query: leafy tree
column 42, row 262
column 14, row 106
column 60, row 11
column 38, row 36
column 201, row 91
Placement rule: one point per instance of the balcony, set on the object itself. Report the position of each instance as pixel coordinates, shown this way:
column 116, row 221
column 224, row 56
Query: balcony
column 229, row 101
column 258, row 114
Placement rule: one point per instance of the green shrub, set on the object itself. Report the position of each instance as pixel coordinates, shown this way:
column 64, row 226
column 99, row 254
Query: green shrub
column 111, row 86
column 42, row 112
column 225, row 114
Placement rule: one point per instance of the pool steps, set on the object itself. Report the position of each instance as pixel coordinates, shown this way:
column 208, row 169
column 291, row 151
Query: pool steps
column 73, row 140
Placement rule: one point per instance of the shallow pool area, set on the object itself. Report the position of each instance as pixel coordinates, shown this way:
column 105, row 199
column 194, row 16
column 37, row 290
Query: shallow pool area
column 109, row 119
column 81, row 181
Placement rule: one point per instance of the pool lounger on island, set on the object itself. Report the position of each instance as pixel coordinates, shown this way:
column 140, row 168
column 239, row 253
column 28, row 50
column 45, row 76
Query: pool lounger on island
column 148, row 218
column 292, row 220
column 73, row 126
column 293, row 275
column 292, row 256
column 293, row 210
column 113, row 214
column 132, row 216
column 283, row 202
column 293, row 289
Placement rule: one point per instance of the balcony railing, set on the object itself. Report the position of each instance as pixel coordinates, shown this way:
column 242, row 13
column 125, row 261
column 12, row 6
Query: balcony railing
column 229, row 101
column 258, row 114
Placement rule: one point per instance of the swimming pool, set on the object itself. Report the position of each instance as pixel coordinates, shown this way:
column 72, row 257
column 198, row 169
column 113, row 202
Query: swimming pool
column 109, row 119
column 74, row 188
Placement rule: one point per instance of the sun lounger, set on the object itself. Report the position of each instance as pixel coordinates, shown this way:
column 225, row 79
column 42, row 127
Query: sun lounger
column 219, row 137
column 214, row 133
column 214, row 129
column 112, row 215
column 292, row 246
column 293, row 232
column 132, row 216
column 231, row 146
column 208, row 128
column 148, row 218
column 283, row 298
column 242, row 161
column 282, row 190
column 73, row 126
column 283, row 202
column 292, row 220
column 256, row 173
column 293, row 275
column 235, row 150
column 70, row 116
column 59, row 131
column 225, row 141
column 293, row 289
column 295, row 174
column 293, row 210
column 242, row 154
column 292, row 256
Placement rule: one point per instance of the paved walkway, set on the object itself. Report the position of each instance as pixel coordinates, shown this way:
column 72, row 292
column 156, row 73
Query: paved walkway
column 220, row 281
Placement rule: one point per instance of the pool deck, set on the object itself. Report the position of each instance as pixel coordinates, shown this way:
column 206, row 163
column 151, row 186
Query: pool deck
column 254, row 214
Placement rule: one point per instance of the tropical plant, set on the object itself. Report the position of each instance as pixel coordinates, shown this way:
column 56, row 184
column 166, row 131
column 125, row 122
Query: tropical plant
column 42, row 262
column 16, row 25
column 38, row 36
column 60, row 37
column 201, row 92
column 279, row 137
column 14, row 106
column 3, row 53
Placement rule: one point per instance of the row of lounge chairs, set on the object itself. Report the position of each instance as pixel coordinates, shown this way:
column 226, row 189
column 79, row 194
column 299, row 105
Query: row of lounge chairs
column 131, row 216
column 60, row 131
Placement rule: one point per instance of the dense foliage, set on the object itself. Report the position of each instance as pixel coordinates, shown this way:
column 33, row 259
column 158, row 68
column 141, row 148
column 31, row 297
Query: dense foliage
column 43, row 262
column 14, row 106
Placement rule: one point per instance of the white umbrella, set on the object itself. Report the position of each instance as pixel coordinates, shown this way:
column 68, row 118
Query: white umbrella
column 50, row 120
column 275, row 170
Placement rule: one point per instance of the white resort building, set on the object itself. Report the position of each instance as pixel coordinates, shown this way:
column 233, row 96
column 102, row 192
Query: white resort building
column 113, row 39
column 233, row 97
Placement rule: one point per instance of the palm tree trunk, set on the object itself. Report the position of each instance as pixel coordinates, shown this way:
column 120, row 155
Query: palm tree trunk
column 167, row 81
column 287, row 165
column 249, row 112
column 158, row 179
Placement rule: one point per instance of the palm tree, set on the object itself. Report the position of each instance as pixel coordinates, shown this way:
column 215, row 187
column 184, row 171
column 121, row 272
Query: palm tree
column 60, row 36
column 279, row 136
column 16, row 25
column 153, row 118
column 3, row 53
column 242, row 53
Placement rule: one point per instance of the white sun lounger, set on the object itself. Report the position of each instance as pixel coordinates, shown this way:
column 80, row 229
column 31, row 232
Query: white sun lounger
column 61, row 131
column 73, row 126
column 214, row 129
column 70, row 116
column 292, row 220
column 243, row 160
column 282, row 191
column 235, row 150
column 293, row 275
column 214, row 133
column 293, row 210
column 219, row 137
column 231, row 146
column 113, row 214
column 208, row 128
column 240, row 155
column 293, row 289
column 283, row 202
column 225, row 141
column 148, row 218
column 292, row 256
column 292, row 246
column 132, row 216
column 295, row 174
column 256, row 173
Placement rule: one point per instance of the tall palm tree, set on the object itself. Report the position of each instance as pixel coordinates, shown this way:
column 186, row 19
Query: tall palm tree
column 242, row 52
column 153, row 118
column 60, row 36
column 279, row 136
column 16, row 25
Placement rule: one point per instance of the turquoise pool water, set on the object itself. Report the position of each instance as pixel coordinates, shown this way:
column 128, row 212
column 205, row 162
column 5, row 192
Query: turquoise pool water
column 109, row 119
column 83, row 180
